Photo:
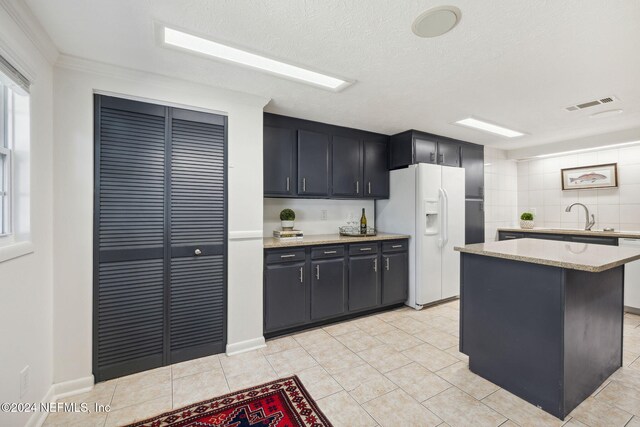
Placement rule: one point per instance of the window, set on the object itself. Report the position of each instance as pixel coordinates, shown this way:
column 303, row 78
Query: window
column 14, row 154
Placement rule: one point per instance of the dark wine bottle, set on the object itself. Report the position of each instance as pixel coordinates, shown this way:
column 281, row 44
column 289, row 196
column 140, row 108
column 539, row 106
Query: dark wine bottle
column 363, row 223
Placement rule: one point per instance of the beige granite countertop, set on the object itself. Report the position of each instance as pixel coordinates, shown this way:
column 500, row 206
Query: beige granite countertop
column 327, row 239
column 575, row 232
column 574, row 256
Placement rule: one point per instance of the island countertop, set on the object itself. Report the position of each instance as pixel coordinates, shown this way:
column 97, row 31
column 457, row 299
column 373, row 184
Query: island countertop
column 575, row 256
column 574, row 232
column 328, row 239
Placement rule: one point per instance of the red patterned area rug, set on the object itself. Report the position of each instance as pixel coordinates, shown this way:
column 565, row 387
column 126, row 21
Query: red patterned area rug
column 281, row 403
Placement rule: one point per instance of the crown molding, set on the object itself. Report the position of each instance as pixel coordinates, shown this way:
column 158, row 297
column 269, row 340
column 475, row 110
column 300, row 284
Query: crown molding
column 104, row 69
column 29, row 24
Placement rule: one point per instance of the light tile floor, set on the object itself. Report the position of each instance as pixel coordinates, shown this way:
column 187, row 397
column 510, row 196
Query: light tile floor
column 400, row 367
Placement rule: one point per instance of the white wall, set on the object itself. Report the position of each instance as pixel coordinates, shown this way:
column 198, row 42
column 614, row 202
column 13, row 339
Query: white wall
column 26, row 282
column 500, row 202
column 540, row 189
column 308, row 214
column 75, row 81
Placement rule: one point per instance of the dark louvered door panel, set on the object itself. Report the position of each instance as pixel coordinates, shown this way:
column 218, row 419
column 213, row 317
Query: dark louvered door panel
column 129, row 219
column 198, row 235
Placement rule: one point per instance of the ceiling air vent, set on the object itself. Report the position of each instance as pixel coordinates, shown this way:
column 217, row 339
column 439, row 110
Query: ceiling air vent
column 583, row 105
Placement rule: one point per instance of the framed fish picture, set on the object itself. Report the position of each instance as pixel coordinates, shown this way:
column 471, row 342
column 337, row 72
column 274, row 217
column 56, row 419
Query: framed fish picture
column 596, row 176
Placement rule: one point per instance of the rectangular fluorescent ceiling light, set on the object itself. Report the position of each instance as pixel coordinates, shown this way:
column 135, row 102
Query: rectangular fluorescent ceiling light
column 586, row 150
column 208, row 47
column 489, row 127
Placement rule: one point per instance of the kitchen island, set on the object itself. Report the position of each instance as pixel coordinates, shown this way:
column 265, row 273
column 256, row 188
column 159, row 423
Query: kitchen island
column 542, row 318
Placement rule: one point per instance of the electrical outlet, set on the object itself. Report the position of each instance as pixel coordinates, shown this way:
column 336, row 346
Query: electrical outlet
column 24, row 381
column 323, row 214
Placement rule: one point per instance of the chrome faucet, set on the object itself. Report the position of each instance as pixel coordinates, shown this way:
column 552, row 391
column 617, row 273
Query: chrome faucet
column 588, row 223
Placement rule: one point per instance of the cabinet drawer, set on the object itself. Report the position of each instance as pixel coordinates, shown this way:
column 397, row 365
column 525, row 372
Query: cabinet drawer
column 327, row 252
column 610, row 241
column 363, row 248
column 395, row 246
column 507, row 235
column 280, row 256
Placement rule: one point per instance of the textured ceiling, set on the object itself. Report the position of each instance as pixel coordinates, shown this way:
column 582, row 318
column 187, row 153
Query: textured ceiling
column 514, row 62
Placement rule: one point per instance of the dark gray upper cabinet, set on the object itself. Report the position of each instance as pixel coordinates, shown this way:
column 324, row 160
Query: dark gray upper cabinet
column 473, row 164
column 411, row 147
column 449, row 153
column 364, row 282
column 285, row 295
column 313, row 163
column 376, row 174
column 328, row 288
column 395, row 268
column 346, row 156
column 354, row 158
column 425, row 150
column 279, row 155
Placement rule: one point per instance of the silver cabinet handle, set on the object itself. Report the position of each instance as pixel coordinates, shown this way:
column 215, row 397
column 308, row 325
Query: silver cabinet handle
column 329, row 252
column 365, row 249
column 301, row 274
column 357, row 187
column 375, row 264
column 304, row 185
column 287, row 183
column 386, row 263
column 369, row 187
column 287, row 256
column 396, row 246
column 441, row 157
column 318, row 272
column 198, row 252
column 433, row 157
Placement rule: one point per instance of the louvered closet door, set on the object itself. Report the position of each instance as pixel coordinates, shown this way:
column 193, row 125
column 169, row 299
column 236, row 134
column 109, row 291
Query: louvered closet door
column 198, row 235
column 129, row 237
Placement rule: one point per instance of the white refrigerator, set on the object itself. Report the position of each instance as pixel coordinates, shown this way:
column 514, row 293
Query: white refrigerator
column 427, row 202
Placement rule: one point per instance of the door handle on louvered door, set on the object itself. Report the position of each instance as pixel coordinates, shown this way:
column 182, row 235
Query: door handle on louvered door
column 197, row 252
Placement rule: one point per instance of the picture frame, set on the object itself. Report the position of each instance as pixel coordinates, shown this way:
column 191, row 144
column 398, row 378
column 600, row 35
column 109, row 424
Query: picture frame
column 589, row 177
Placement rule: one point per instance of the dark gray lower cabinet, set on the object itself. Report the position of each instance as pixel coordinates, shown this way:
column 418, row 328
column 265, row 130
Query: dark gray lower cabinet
column 312, row 285
column 474, row 221
column 285, row 295
column 328, row 288
column 364, row 282
column 394, row 277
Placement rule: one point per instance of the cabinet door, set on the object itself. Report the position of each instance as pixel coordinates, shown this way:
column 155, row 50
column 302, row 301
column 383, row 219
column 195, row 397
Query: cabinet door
column 376, row 172
column 609, row 241
column 395, row 277
column 313, row 163
column 474, row 221
column 425, row 150
column 279, row 155
column 473, row 164
column 364, row 282
column 449, row 153
column 327, row 288
column 346, row 162
column 284, row 296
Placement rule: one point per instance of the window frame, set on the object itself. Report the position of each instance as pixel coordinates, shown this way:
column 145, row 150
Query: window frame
column 6, row 206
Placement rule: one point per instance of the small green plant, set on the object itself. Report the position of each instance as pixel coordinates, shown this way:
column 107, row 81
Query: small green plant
column 526, row 216
column 287, row 215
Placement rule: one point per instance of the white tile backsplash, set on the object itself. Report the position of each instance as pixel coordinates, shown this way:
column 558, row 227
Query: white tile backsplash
column 501, row 195
column 539, row 187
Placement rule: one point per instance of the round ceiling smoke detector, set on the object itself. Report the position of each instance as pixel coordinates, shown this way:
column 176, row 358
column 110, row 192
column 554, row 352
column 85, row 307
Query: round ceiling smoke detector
column 605, row 114
column 437, row 21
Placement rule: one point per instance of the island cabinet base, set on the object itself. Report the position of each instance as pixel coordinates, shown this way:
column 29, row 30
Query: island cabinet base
column 549, row 335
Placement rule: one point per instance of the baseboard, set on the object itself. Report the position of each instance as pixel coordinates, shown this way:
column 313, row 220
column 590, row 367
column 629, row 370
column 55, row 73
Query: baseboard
column 632, row 310
column 60, row 391
column 244, row 346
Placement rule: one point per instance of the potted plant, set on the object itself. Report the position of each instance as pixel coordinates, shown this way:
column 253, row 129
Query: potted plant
column 526, row 220
column 287, row 217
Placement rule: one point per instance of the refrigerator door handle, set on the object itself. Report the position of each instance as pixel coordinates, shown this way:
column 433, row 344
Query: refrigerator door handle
column 445, row 218
column 441, row 214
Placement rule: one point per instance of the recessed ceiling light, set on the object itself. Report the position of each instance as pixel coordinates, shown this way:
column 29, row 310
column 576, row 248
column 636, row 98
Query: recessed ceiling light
column 210, row 48
column 604, row 114
column 489, row 127
column 437, row 21
column 585, row 150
